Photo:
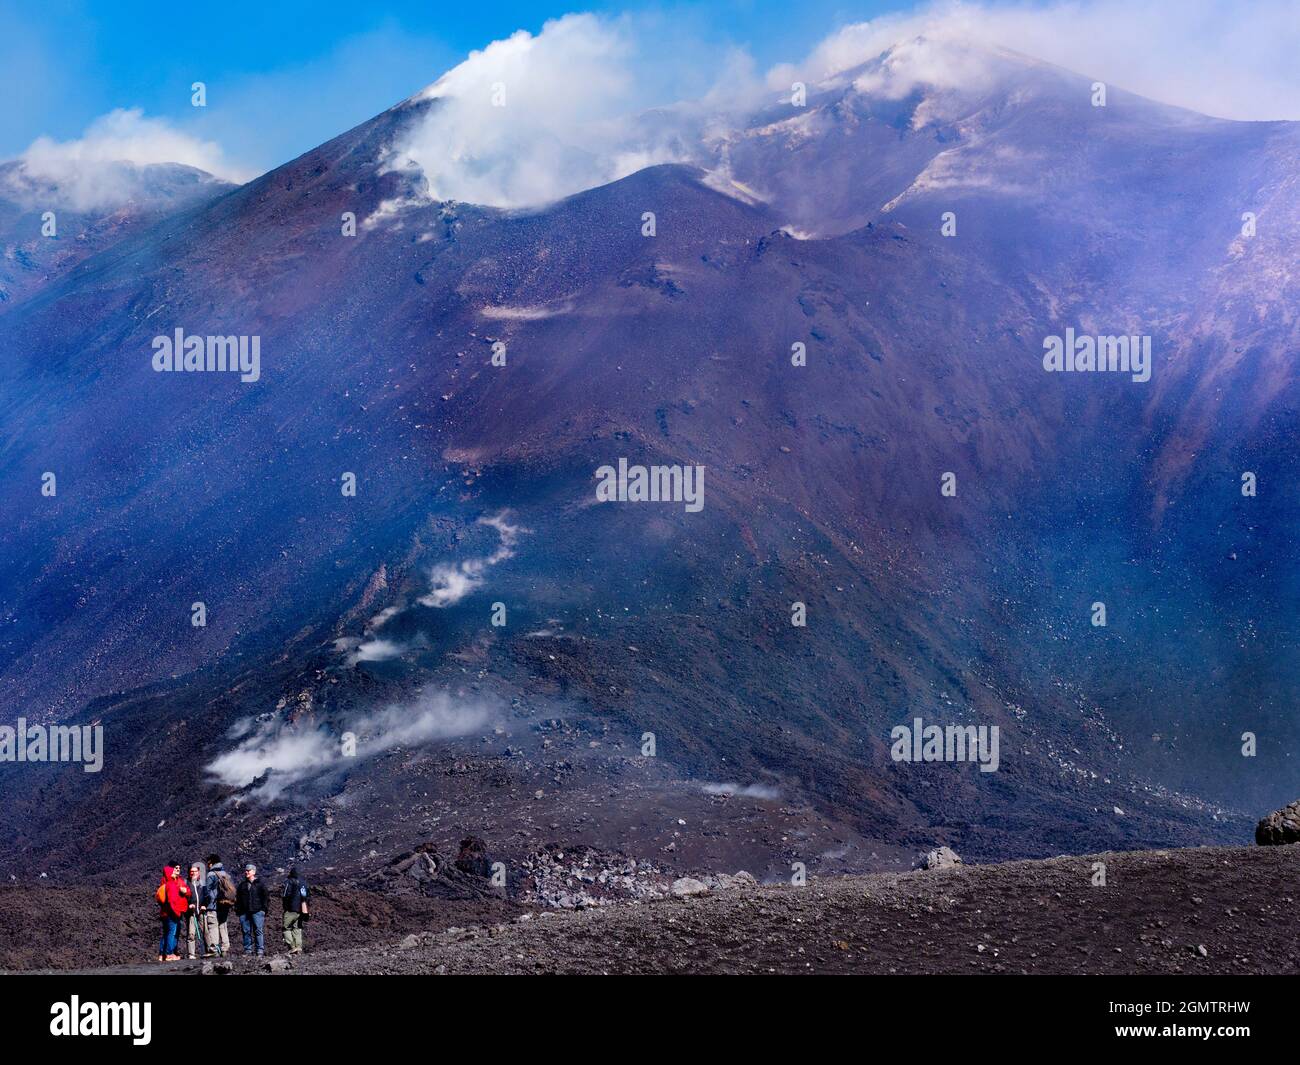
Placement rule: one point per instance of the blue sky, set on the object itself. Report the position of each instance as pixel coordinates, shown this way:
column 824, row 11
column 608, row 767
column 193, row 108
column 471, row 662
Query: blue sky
column 289, row 74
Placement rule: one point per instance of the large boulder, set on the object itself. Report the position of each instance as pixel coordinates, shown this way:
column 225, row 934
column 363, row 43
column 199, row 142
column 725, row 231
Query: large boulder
column 424, row 871
column 1281, row 826
column 941, row 858
column 473, row 859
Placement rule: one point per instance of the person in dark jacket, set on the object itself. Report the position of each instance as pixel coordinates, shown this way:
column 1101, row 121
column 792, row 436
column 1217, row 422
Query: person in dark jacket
column 250, row 904
column 215, row 909
column 294, row 899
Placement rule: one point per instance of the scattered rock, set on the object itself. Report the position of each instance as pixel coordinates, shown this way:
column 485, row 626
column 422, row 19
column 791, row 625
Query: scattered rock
column 687, row 885
column 409, row 943
column 730, row 881
column 1280, row 827
column 277, row 965
column 576, row 878
column 315, row 840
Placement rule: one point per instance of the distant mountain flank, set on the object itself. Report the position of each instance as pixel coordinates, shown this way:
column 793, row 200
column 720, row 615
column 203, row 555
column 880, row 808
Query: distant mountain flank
column 47, row 227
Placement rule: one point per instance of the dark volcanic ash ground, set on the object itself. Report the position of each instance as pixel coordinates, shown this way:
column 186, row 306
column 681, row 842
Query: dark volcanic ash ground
column 1196, row 911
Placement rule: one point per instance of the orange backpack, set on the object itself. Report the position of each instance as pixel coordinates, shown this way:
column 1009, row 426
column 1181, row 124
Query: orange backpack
column 161, row 894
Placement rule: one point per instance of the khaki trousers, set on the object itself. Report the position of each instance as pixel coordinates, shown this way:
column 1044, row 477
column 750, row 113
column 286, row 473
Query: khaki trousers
column 293, row 931
column 216, row 934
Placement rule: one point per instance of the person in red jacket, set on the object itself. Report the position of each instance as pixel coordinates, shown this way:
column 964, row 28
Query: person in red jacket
column 173, row 904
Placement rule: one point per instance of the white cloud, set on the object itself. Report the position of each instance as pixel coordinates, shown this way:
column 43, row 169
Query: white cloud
column 1218, row 57
column 377, row 650
column 746, row 791
column 290, row 754
column 580, row 101
column 108, row 165
column 524, row 314
column 450, row 582
column 381, row 619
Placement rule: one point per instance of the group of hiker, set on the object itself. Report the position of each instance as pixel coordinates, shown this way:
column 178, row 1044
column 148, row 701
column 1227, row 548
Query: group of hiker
column 197, row 908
